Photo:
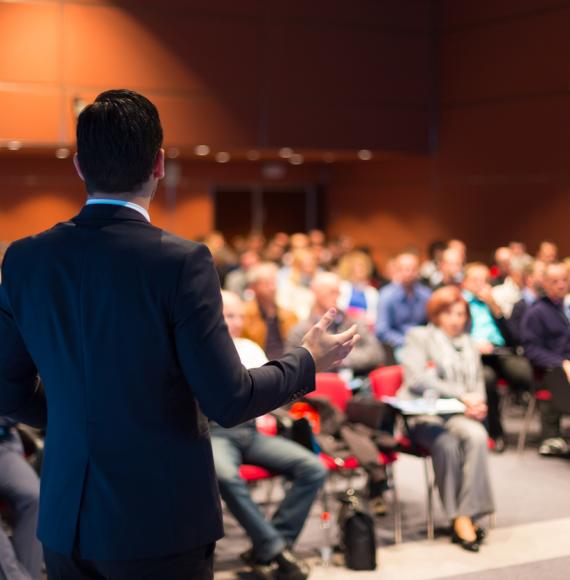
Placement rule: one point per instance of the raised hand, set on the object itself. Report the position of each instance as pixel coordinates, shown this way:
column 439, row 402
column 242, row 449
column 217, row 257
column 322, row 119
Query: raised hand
column 329, row 350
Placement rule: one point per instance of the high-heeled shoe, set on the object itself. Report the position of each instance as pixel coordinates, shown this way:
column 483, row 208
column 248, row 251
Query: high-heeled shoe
column 465, row 544
column 481, row 534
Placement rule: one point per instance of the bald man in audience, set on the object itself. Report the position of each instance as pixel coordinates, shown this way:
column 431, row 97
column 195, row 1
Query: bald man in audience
column 368, row 353
column 270, row 555
column 450, row 269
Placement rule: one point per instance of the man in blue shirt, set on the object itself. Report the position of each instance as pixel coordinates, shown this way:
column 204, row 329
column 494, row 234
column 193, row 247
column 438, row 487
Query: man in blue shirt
column 402, row 304
column 490, row 331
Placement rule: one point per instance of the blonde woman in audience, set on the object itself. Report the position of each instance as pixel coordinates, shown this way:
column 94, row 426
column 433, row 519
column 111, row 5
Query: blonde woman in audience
column 443, row 359
column 357, row 296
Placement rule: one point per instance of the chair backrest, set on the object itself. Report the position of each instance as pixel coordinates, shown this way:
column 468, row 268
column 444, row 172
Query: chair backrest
column 331, row 386
column 386, row 381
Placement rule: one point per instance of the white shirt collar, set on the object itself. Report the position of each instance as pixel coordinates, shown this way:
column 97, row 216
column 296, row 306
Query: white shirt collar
column 120, row 202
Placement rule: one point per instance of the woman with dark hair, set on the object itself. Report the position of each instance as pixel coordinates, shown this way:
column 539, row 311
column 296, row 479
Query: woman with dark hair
column 443, row 359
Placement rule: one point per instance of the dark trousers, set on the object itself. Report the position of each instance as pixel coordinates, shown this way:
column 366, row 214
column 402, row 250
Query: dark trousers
column 196, row 564
column 516, row 371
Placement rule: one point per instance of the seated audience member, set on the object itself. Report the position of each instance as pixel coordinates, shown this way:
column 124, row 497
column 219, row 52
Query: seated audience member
column 518, row 251
column 450, row 269
column 401, row 304
column 533, row 278
column 429, row 271
column 271, row 540
column 293, row 291
column 547, row 252
column 502, row 267
column 265, row 323
column 276, row 248
column 491, row 333
column 236, row 280
column 460, row 247
column 508, row 293
column 443, row 357
column 546, row 340
column 367, row 354
column 20, row 557
column 356, row 293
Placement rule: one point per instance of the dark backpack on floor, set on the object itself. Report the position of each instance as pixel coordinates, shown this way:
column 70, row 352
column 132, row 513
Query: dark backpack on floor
column 357, row 537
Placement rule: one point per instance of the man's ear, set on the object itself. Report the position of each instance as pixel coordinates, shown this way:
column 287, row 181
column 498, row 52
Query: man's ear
column 77, row 168
column 158, row 170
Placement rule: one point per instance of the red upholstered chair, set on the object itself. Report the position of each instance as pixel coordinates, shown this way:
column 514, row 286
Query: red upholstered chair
column 386, row 382
column 333, row 388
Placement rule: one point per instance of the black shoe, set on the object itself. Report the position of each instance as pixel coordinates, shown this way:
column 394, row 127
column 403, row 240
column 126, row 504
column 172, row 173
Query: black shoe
column 481, row 534
column 262, row 570
column 499, row 445
column 289, row 567
column 465, row 544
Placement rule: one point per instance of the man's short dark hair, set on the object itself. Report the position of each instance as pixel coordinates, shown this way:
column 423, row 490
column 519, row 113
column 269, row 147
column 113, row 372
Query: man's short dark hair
column 118, row 139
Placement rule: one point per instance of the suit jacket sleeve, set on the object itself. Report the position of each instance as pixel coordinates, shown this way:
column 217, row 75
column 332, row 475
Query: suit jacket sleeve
column 21, row 394
column 227, row 392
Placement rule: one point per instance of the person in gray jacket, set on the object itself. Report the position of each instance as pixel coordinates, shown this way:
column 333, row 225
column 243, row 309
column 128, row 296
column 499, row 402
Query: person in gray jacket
column 444, row 359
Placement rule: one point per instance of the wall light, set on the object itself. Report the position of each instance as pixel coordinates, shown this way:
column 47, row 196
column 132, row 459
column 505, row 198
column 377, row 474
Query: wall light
column 286, row 152
column 62, row 153
column 173, row 153
column 296, row 159
column 14, row 145
column 223, row 157
column 202, row 150
column 253, row 155
column 365, row 154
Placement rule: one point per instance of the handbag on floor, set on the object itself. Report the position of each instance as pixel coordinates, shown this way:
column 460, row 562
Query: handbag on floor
column 357, row 535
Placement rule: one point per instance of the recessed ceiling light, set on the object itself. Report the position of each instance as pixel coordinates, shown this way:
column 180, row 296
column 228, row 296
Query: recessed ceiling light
column 202, row 150
column 286, row 152
column 365, row 154
column 223, row 157
column 62, row 153
column 173, row 153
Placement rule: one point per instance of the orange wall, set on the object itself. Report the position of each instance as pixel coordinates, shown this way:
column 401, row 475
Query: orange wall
column 501, row 170
column 226, row 73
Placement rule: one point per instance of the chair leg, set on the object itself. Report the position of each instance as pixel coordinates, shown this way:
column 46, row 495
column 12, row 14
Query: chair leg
column 530, row 410
column 396, row 506
column 326, row 527
column 430, row 486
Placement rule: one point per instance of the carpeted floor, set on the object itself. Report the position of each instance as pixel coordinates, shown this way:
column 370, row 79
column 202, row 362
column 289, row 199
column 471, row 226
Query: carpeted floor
column 530, row 538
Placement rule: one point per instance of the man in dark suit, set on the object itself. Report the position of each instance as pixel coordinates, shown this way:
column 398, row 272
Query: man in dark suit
column 123, row 323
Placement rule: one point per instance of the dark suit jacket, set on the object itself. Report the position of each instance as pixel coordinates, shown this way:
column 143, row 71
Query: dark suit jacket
column 123, row 322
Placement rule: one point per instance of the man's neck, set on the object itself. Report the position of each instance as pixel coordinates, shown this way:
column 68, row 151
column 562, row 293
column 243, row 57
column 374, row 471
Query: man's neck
column 142, row 200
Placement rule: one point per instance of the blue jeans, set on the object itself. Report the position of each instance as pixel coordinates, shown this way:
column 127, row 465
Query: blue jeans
column 21, row 558
column 232, row 447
